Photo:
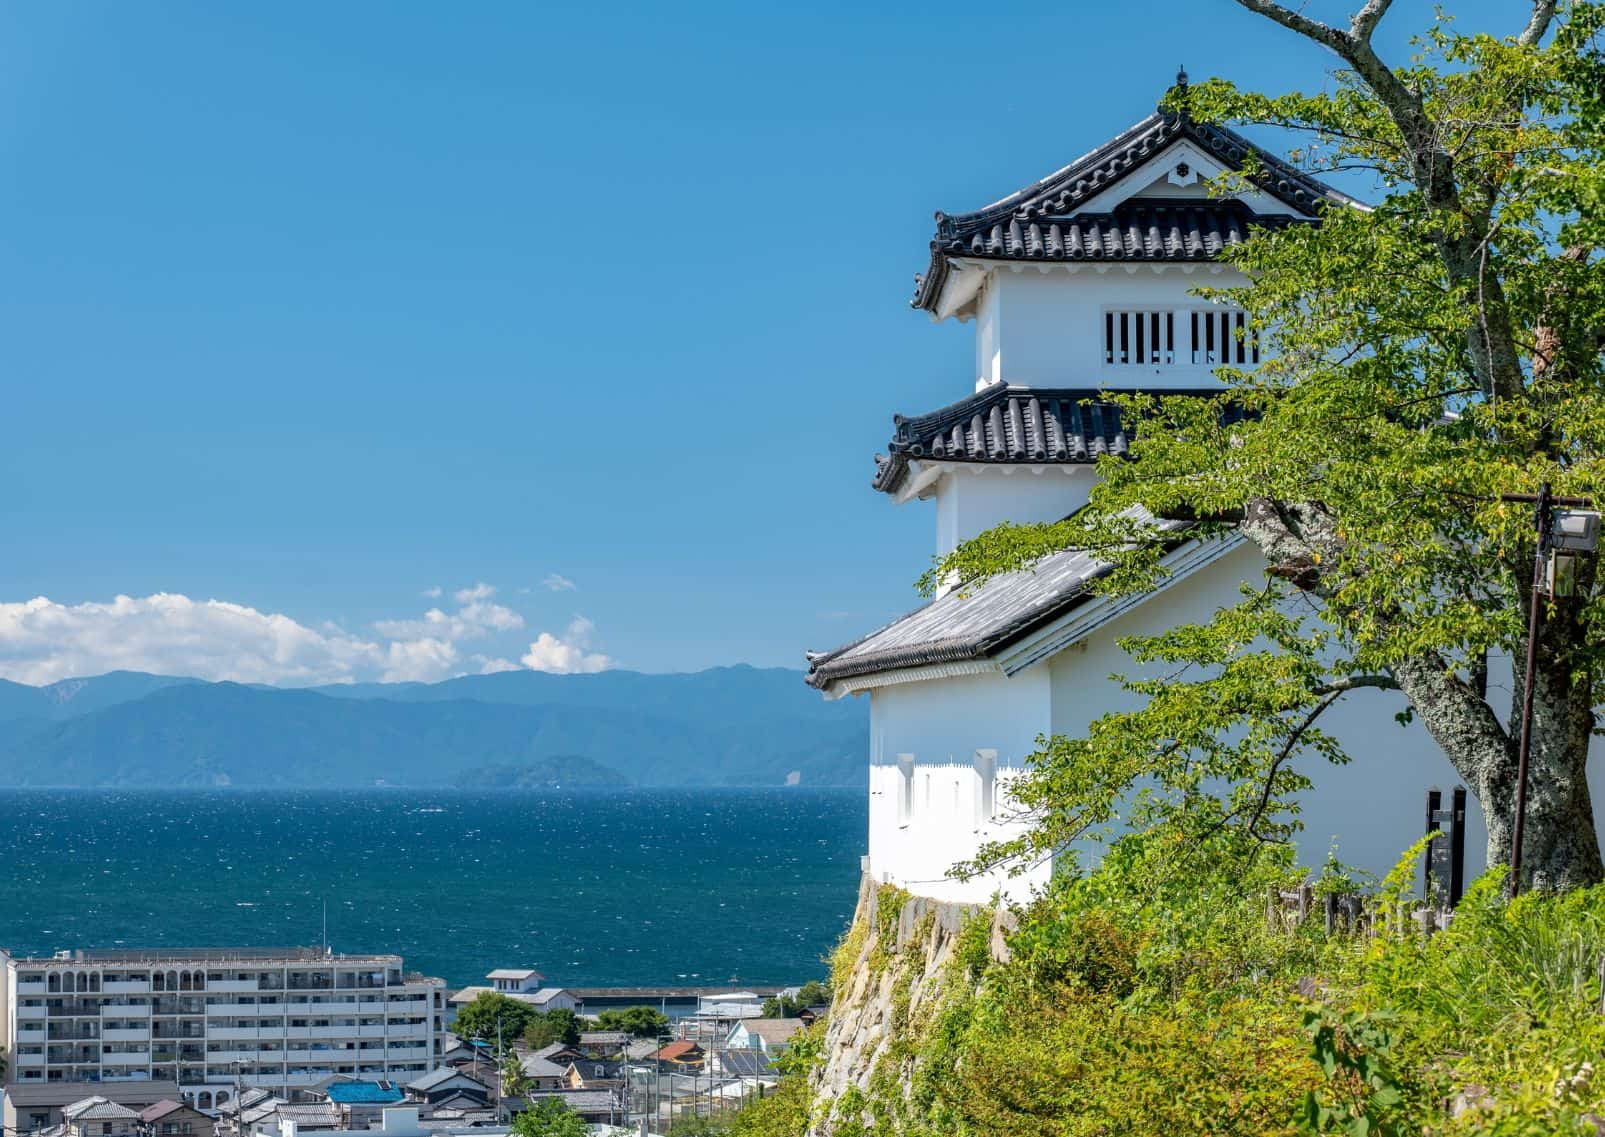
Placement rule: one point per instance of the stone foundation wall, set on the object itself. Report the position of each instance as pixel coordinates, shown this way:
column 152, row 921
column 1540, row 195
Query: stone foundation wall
column 890, row 973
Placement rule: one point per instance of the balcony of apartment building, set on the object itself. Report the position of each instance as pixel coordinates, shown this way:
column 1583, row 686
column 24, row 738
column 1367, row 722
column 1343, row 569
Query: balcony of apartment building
column 31, row 1010
column 178, row 1005
column 28, row 1056
column 124, row 1032
column 112, row 984
column 30, row 985
column 72, row 1052
column 178, row 1029
column 125, row 1009
column 140, row 1057
column 70, row 1008
column 30, row 1032
column 310, row 981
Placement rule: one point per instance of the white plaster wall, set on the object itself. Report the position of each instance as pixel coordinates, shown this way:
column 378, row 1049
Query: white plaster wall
column 1374, row 807
column 972, row 499
column 942, row 723
column 944, row 824
column 1046, row 328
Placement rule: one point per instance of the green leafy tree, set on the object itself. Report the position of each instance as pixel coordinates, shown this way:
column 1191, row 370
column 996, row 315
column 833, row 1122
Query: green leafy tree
column 1421, row 358
column 642, row 1022
column 811, row 994
column 492, row 1016
column 549, row 1117
column 557, row 1025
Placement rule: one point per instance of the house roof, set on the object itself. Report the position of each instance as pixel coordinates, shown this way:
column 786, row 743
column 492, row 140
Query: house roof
column 604, row 1037
column 98, row 1109
column 1017, row 226
column 1009, row 424
column 741, row 1062
column 160, row 1110
column 539, row 1066
column 972, row 624
column 675, row 1051
column 515, row 973
column 439, row 1076
column 312, row 1115
column 772, row 1031
column 364, row 1093
column 65, row 1093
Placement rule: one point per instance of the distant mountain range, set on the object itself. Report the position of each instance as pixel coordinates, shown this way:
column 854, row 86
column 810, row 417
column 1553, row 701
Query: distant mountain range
column 724, row 726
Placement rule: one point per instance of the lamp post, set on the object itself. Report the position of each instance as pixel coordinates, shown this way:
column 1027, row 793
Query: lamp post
column 1574, row 530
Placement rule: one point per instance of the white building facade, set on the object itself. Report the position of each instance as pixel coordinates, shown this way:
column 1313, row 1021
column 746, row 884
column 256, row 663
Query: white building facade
column 214, row 1019
column 1079, row 284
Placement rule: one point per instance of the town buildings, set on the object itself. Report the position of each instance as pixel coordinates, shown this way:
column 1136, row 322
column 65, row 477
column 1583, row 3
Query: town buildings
column 1080, row 283
column 210, row 1020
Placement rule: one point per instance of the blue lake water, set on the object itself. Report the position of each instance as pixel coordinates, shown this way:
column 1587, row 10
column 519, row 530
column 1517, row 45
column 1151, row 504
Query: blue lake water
column 641, row 886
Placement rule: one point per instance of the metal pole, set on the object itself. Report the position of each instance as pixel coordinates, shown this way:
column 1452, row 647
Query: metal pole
column 1534, row 622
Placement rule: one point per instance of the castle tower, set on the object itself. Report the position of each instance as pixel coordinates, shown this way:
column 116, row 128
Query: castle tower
column 1077, row 284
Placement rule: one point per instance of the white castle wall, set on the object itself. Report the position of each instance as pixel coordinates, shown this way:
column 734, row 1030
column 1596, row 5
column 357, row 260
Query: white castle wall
column 972, row 499
column 1045, row 329
column 924, row 818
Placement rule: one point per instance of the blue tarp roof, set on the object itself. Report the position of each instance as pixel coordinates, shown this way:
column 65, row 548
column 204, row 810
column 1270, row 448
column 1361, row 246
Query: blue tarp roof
column 364, row 1093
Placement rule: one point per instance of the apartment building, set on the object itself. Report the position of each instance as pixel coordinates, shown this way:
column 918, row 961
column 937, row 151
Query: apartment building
column 214, row 1019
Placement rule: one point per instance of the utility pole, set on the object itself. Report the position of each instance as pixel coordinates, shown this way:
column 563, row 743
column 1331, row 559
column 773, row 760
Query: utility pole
column 1582, row 537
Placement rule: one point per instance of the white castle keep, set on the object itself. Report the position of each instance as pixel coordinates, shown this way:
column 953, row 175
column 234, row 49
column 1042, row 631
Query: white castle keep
column 1078, row 284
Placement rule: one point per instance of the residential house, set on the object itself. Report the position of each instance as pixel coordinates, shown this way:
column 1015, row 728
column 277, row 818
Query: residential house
column 448, row 1081
column 604, row 1043
column 174, row 1119
column 682, row 1054
column 768, row 1036
column 742, row 1063
column 362, row 1103
column 33, row 1106
column 97, row 1117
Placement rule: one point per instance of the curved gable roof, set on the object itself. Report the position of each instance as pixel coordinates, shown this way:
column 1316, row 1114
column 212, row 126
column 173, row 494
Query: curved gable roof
column 1004, row 228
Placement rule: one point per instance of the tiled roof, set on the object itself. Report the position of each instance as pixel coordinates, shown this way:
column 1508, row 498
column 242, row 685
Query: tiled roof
column 1009, row 424
column 98, row 1109
column 1138, row 229
column 677, row 1051
column 1061, row 192
column 160, row 1110
column 965, row 625
column 439, row 1076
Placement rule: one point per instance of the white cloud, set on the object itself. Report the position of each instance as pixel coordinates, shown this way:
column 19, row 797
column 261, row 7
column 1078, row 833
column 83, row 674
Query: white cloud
column 432, row 593
column 557, row 582
column 42, row 641
column 493, row 666
column 569, row 654
column 480, row 591
column 421, row 660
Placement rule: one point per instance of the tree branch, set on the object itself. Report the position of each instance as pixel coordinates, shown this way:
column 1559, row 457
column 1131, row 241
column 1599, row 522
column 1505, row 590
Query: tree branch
column 1359, row 682
column 1543, row 13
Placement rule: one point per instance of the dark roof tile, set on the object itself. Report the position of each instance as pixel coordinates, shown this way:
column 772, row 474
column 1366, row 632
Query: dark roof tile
column 1005, row 424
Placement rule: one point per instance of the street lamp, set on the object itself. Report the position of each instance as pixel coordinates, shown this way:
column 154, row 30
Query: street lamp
column 1562, row 537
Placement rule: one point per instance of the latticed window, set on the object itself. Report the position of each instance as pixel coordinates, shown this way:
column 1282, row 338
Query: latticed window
column 1146, row 337
column 1140, row 337
column 1221, row 336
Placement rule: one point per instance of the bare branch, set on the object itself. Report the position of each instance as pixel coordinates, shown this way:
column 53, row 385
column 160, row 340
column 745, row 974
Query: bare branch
column 1298, row 22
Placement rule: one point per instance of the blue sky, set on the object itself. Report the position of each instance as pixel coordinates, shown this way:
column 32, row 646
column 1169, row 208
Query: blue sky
column 310, row 309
